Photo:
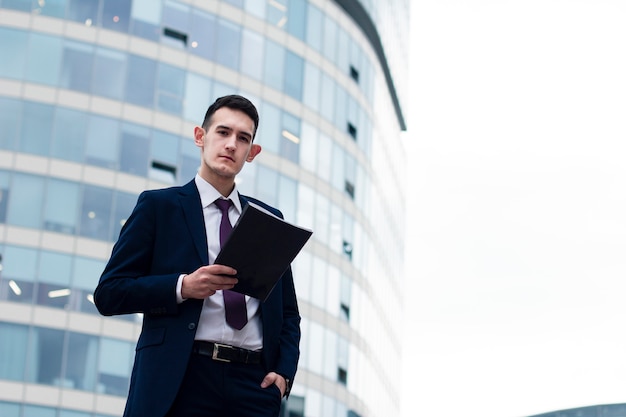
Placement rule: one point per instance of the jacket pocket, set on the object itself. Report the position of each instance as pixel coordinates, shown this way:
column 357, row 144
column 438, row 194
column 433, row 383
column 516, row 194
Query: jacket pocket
column 151, row 337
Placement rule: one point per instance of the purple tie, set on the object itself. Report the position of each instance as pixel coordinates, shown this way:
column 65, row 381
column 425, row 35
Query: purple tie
column 234, row 302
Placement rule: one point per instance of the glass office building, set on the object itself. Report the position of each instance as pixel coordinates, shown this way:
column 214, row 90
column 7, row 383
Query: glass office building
column 98, row 100
column 605, row 410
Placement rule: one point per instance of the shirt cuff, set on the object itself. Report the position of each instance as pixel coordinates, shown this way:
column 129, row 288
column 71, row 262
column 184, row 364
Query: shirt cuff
column 179, row 289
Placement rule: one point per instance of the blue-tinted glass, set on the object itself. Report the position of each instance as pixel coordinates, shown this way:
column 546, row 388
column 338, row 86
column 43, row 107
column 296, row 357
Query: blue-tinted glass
column 23, row 5
column 290, row 137
column 124, row 203
column 85, row 11
column 102, row 148
column 270, row 128
column 109, row 73
column 140, row 84
column 296, row 18
column 175, row 24
column 274, row 65
column 44, row 59
column 203, row 34
column 36, row 128
column 13, row 49
column 171, row 87
column 256, row 8
column 72, row 413
column 82, row 353
column 294, row 71
column 229, row 40
column 330, row 38
column 146, row 19
column 341, row 108
column 311, row 86
column 221, row 89
column 267, row 185
column 135, row 143
column 287, row 197
column 10, row 121
column 116, row 14
column 45, row 357
column 197, row 97
column 236, row 3
column 114, row 365
column 68, row 136
column 308, row 147
column 13, row 343
column 38, row 411
column 327, row 99
column 164, row 156
column 338, row 176
column 19, row 263
column 54, row 279
column 9, row 409
column 189, row 160
column 96, row 213
column 86, row 272
column 54, row 8
column 26, row 201
column 314, row 30
column 343, row 51
column 276, row 13
column 77, row 66
column 252, row 52
column 324, row 157
column 4, row 196
column 61, row 207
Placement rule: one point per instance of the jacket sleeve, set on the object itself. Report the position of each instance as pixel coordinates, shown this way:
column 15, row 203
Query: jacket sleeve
column 129, row 283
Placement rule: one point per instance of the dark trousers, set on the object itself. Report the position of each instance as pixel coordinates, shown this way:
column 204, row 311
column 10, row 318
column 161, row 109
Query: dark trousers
column 224, row 389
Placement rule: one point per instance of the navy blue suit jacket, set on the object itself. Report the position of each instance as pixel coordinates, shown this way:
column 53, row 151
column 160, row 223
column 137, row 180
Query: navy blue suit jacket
column 163, row 238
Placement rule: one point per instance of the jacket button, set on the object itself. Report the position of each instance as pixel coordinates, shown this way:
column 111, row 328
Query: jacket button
column 191, row 326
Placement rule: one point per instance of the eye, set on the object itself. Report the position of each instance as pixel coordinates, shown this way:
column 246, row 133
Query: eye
column 244, row 139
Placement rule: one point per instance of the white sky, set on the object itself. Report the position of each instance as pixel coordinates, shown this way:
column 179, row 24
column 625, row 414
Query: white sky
column 517, row 195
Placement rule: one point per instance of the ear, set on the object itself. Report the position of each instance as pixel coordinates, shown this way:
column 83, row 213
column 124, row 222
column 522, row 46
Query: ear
column 254, row 151
column 198, row 136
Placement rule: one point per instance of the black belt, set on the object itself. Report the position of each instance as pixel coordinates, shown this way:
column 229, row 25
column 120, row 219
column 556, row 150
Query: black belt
column 226, row 353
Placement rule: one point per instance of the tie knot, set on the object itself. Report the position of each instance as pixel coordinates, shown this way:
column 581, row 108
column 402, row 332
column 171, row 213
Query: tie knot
column 223, row 205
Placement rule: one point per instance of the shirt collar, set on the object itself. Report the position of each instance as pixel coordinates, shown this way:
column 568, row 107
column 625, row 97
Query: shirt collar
column 208, row 193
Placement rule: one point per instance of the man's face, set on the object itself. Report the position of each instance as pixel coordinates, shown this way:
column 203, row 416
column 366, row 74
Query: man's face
column 226, row 145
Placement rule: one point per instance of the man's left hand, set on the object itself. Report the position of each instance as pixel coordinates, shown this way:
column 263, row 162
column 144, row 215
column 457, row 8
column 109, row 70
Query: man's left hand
column 274, row 378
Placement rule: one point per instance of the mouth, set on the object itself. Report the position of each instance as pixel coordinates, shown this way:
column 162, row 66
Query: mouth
column 227, row 157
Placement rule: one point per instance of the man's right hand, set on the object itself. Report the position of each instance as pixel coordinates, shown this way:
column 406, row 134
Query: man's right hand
column 204, row 281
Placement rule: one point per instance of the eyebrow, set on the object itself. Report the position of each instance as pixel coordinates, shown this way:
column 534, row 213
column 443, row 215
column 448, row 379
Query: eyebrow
column 243, row 132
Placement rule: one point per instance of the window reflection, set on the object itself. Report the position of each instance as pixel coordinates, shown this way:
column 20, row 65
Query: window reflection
column 95, row 219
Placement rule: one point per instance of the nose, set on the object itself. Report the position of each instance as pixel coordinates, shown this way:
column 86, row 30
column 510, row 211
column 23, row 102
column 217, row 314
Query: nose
column 231, row 143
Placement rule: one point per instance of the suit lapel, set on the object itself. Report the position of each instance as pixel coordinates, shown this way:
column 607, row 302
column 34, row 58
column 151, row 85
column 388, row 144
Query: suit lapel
column 194, row 218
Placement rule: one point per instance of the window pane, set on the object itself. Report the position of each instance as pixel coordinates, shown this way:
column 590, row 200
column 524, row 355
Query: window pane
column 287, row 197
column 44, row 59
column 308, row 147
column 109, row 73
column 33, row 138
column 53, row 280
column 77, row 65
column 330, row 39
column 267, row 185
column 270, row 128
column 171, row 87
column 13, row 343
column 140, row 85
column 4, row 196
column 44, row 356
column 85, row 11
column 274, row 65
column 9, row 409
column 294, row 69
column 164, row 156
column 229, row 39
column 124, row 204
column 256, row 8
column 114, row 365
column 26, row 201
column 39, row 411
column 102, row 142
column 146, row 18
column 68, row 136
column 54, row 8
column 61, row 209
column 82, row 354
column 10, row 121
column 189, row 160
column 314, row 31
column 203, row 34
column 327, row 102
column 197, row 97
column 311, row 86
column 290, row 137
column 296, row 18
column 252, row 54
column 13, row 47
column 116, row 15
column 96, row 213
column 135, row 142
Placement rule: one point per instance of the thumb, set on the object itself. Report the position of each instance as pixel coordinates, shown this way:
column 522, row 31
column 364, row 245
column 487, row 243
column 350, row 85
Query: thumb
column 268, row 380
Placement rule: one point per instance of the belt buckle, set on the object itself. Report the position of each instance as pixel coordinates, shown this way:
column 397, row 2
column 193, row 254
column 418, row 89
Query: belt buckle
column 216, row 350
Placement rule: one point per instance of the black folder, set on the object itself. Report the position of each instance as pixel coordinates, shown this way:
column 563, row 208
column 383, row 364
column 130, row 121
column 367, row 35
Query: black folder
column 261, row 247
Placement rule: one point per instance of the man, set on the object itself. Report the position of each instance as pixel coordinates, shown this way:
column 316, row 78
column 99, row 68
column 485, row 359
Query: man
column 189, row 360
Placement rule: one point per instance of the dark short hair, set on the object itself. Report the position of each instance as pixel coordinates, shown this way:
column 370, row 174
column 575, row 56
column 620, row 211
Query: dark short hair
column 235, row 102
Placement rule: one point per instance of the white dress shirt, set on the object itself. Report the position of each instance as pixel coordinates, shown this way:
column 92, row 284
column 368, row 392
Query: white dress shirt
column 212, row 325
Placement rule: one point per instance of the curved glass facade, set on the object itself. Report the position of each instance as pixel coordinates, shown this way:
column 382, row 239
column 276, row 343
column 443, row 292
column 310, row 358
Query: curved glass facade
column 98, row 99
